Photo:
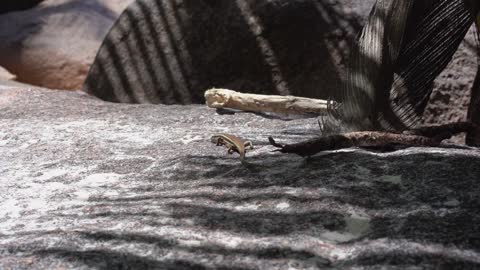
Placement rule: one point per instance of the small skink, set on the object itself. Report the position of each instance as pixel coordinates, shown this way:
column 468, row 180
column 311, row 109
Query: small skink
column 233, row 143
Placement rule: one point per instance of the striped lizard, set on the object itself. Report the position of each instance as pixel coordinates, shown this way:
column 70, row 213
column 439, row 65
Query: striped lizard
column 233, row 143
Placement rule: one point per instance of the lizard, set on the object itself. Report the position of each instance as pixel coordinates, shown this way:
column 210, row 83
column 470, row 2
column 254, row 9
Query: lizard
column 233, row 143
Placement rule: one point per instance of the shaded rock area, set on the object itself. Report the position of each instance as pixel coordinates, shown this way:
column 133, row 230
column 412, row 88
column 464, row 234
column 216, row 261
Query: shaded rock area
column 91, row 184
column 54, row 43
column 13, row 5
column 172, row 51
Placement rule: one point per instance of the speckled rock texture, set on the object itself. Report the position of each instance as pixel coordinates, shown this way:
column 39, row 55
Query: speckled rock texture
column 87, row 184
column 54, row 43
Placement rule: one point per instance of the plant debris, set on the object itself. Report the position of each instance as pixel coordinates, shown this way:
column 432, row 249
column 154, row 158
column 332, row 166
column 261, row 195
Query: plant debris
column 431, row 136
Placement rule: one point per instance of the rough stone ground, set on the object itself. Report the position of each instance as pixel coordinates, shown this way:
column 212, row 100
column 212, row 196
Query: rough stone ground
column 88, row 184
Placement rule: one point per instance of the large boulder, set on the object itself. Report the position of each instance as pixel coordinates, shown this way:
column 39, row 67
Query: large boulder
column 162, row 51
column 54, row 43
column 87, row 184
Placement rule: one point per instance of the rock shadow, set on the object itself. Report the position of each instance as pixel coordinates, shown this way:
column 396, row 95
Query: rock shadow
column 17, row 5
column 170, row 52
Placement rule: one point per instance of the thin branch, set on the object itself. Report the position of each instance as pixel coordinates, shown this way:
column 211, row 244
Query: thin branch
column 428, row 136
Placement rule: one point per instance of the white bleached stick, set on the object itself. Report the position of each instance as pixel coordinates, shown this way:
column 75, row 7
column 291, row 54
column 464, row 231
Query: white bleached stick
column 224, row 98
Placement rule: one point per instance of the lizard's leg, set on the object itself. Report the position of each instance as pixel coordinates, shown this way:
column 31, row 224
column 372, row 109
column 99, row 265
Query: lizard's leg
column 219, row 141
column 248, row 144
column 231, row 150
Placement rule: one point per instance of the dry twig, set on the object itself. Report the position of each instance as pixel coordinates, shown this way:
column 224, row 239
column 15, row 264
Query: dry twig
column 427, row 136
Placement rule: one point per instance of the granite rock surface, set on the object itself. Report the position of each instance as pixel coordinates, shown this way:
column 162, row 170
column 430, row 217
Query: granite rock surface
column 88, row 184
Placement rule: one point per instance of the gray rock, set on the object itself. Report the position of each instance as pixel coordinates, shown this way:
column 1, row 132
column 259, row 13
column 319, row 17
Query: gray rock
column 172, row 51
column 90, row 184
column 54, row 43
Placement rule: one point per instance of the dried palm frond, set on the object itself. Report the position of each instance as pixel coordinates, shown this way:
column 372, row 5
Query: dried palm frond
column 402, row 49
column 436, row 39
column 371, row 64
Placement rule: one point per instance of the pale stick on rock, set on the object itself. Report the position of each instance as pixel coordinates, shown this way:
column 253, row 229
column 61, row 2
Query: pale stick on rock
column 224, row 98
